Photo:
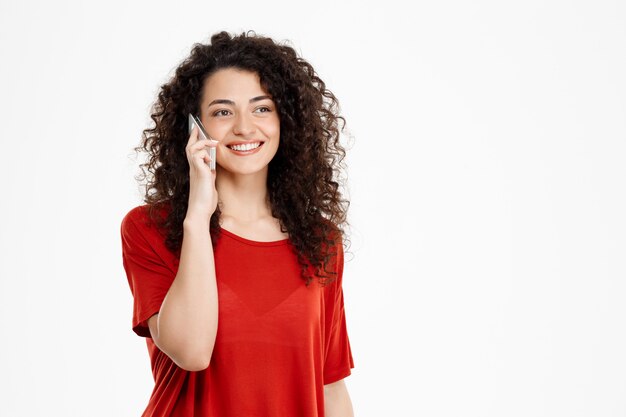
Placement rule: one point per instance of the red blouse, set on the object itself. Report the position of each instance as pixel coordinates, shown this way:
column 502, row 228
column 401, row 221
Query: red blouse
column 278, row 342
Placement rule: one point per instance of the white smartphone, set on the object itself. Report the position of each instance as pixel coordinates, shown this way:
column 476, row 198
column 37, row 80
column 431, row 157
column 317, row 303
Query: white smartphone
column 195, row 121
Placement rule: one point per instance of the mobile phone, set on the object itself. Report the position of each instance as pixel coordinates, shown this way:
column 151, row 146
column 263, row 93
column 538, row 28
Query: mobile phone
column 202, row 134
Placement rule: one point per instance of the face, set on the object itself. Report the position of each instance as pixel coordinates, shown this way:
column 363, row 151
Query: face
column 235, row 110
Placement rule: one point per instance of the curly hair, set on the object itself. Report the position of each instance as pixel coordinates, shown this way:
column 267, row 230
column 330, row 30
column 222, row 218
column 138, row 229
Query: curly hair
column 303, row 177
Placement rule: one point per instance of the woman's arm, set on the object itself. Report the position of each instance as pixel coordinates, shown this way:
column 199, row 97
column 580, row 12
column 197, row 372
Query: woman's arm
column 186, row 325
column 337, row 400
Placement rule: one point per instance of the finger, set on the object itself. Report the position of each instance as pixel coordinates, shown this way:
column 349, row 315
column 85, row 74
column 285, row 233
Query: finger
column 206, row 158
column 203, row 144
column 200, row 158
column 208, row 161
column 203, row 152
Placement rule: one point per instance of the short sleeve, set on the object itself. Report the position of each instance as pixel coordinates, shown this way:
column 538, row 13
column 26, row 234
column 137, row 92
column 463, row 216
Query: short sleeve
column 338, row 354
column 147, row 270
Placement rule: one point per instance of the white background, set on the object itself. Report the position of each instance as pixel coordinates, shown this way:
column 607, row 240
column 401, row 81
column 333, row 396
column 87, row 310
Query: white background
column 486, row 174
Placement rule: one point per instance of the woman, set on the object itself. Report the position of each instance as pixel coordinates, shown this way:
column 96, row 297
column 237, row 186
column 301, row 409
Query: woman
column 257, row 243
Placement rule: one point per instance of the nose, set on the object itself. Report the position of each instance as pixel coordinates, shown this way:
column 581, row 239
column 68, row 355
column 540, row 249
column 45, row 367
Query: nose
column 243, row 125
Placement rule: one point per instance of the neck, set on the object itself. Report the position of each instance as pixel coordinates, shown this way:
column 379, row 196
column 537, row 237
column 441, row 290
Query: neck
column 243, row 197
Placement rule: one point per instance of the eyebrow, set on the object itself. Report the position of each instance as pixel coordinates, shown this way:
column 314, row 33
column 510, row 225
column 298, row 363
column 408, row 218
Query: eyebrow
column 232, row 103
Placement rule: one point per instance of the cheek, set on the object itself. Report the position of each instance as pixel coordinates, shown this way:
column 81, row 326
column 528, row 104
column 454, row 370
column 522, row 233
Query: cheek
column 273, row 126
column 218, row 130
column 276, row 126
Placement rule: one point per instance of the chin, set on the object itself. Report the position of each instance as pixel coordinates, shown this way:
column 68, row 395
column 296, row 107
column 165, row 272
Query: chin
column 245, row 169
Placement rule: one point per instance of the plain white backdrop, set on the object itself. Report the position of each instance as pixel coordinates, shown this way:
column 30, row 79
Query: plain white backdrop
column 486, row 172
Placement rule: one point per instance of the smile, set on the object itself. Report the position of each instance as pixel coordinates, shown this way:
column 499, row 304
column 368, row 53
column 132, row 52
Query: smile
column 245, row 149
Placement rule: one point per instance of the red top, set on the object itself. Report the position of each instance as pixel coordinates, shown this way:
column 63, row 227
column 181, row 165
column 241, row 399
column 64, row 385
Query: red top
column 278, row 342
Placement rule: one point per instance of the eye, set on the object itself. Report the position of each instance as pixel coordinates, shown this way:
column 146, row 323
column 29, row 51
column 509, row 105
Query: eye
column 219, row 113
column 265, row 108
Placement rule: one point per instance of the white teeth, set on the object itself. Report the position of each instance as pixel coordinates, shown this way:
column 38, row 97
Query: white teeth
column 246, row 147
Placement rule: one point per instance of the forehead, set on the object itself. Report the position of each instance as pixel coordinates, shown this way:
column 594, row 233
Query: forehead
column 232, row 82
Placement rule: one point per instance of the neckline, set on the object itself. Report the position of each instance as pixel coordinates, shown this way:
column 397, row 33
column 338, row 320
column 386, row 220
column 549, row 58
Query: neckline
column 254, row 242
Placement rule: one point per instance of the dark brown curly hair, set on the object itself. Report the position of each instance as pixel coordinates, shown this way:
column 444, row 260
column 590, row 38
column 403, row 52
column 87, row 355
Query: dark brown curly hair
column 303, row 177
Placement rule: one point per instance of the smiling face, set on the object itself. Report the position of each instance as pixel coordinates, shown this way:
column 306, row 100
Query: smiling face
column 236, row 111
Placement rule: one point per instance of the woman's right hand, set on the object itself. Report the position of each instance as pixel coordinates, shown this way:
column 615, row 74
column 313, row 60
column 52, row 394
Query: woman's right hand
column 202, row 191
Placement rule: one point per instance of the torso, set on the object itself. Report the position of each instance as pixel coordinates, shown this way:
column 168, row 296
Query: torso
column 264, row 230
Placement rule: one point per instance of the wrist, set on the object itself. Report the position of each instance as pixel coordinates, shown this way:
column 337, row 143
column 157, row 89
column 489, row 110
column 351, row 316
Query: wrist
column 195, row 221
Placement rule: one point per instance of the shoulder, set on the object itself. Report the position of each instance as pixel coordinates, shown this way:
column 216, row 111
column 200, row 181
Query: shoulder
column 138, row 227
column 134, row 228
column 135, row 215
column 135, row 222
column 332, row 249
column 142, row 217
column 141, row 235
